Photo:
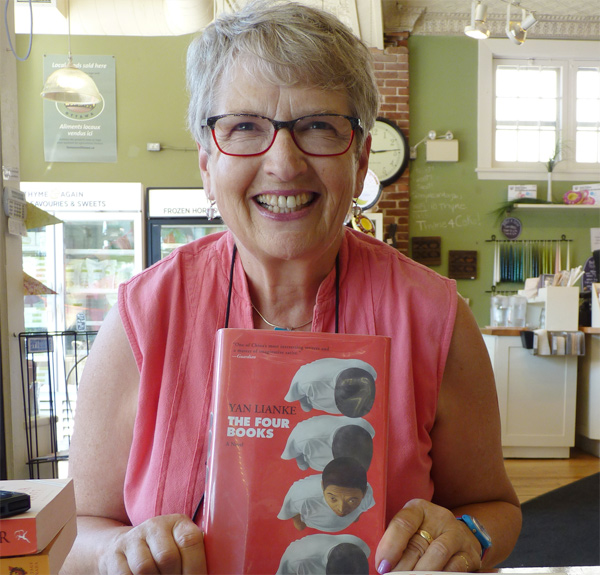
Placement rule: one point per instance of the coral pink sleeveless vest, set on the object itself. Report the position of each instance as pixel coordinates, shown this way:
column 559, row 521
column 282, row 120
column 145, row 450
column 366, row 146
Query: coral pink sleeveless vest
column 172, row 311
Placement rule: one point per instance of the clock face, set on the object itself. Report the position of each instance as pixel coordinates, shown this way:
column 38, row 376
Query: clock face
column 389, row 151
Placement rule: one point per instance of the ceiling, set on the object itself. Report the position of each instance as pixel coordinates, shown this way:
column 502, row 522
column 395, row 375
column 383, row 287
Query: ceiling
column 564, row 19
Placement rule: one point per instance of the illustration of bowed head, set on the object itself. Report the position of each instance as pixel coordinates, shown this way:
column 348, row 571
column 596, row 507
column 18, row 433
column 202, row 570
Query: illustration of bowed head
column 347, row 559
column 314, row 442
column 329, row 554
column 354, row 392
column 353, row 441
column 338, row 386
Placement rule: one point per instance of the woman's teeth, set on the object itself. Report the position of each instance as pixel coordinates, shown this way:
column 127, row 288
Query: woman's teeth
column 283, row 204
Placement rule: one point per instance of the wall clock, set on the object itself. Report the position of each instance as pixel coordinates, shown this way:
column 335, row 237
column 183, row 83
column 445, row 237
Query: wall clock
column 389, row 151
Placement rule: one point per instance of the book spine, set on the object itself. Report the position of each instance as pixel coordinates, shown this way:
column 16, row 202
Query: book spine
column 25, row 565
column 18, row 536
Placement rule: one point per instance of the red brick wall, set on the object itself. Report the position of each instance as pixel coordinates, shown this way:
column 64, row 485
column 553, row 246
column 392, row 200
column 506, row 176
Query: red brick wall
column 391, row 71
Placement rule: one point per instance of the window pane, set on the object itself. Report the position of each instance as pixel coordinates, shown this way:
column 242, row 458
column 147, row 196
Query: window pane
column 587, row 115
column 548, row 83
column 588, row 82
column 588, row 111
column 505, row 109
column 529, row 142
column 547, row 112
column 506, row 145
column 527, row 107
column 547, row 145
column 507, row 83
column 588, row 146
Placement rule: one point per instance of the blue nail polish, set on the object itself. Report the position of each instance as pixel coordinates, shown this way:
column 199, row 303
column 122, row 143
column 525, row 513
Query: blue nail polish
column 384, row 567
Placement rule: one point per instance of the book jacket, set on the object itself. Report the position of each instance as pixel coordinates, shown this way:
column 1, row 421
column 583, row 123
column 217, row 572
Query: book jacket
column 296, row 468
column 52, row 505
column 49, row 560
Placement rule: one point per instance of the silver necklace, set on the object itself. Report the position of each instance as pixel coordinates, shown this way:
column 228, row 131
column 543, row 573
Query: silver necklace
column 278, row 327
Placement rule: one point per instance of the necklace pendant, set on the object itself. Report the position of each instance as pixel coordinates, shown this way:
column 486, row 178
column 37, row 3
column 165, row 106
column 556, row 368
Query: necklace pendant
column 277, row 328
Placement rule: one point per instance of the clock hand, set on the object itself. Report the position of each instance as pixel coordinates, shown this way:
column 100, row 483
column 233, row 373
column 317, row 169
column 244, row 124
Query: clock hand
column 380, row 151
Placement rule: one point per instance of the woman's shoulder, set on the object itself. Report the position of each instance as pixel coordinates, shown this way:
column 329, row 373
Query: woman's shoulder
column 386, row 262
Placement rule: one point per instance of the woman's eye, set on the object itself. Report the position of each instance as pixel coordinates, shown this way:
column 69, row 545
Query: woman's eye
column 244, row 127
column 317, row 125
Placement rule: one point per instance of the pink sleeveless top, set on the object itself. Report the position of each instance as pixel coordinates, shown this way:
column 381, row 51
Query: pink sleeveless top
column 172, row 310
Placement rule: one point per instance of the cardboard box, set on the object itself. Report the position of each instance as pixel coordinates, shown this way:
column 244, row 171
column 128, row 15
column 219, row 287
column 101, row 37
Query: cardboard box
column 561, row 309
column 522, row 191
column 47, row 562
column 52, row 505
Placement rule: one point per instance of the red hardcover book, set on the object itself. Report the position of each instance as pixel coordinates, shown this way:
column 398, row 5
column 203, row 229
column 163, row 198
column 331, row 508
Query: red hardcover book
column 296, row 475
column 52, row 505
column 47, row 562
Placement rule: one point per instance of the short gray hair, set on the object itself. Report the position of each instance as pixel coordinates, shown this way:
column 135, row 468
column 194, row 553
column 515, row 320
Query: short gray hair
column 286, row 43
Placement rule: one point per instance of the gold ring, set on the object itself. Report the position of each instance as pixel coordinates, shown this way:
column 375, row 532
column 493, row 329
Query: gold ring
column 466, row 561
column 426, row 535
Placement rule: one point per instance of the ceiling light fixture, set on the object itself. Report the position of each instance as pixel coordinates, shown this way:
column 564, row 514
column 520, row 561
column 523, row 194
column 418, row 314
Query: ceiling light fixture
column 70, row 84
column 478, row 28
column 517, row 31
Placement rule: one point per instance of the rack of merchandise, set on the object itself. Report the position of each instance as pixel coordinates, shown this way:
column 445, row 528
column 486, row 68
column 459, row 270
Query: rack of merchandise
column 51, row 367
column 516, row 260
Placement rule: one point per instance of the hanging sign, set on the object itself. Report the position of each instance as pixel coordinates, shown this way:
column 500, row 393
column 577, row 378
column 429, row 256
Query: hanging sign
column 82, row 132
column 511, row 228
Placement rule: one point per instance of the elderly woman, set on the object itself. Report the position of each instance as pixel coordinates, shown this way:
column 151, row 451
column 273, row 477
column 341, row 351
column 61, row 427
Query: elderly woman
column 282, row 101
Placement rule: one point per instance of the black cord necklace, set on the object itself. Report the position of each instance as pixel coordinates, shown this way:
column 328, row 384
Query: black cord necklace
column 337, row 297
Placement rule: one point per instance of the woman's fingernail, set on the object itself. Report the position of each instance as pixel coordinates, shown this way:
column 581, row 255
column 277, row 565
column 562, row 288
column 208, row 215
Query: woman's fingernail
column 384, row 567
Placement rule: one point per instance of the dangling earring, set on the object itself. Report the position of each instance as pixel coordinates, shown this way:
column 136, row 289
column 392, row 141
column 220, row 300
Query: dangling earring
column 361, row 222
column 211, row 210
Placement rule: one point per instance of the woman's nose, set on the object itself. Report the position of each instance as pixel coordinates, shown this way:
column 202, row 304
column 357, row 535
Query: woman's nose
column 284, row 159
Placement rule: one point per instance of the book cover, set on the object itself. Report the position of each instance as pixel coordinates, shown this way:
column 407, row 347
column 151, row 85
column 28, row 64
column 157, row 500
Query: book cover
column 52, row 505
column 296, row 470
column 47, row 562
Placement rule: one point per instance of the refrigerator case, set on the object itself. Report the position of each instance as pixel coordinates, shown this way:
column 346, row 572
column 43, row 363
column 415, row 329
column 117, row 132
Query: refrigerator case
column 84, row 259
column 175, row 217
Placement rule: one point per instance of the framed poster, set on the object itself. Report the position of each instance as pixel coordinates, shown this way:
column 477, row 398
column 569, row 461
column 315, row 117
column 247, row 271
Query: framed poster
column 82, row 132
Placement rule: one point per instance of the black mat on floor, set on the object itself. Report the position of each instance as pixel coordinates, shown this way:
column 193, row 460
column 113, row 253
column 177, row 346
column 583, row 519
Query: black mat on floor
column 561, row 528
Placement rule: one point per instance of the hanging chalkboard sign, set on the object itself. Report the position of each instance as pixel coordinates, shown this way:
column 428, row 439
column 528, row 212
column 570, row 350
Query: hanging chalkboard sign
column 511, row 228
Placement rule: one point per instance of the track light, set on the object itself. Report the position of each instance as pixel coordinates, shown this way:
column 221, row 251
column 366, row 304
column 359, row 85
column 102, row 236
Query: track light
column 478, row 28
column 517, row 31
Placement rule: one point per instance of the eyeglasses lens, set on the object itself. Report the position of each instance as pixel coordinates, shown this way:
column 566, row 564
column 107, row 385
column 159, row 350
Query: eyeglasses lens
column 320, row 135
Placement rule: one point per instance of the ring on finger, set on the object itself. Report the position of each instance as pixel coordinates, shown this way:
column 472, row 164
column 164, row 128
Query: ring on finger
column 467, row 564
column 426, row 535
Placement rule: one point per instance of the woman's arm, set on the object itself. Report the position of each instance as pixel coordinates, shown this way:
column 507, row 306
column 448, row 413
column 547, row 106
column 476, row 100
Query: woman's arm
column 102, row 438
column 468, row 471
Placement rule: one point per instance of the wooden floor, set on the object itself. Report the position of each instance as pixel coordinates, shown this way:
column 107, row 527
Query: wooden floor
column 533, row 477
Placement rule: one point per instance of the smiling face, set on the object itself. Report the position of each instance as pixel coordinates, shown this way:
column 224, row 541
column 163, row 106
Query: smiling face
column 283, row 204
column 342, row 500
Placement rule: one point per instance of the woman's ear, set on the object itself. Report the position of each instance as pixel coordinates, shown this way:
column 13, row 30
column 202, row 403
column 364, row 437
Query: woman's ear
column 363, row 166
column 204, row 171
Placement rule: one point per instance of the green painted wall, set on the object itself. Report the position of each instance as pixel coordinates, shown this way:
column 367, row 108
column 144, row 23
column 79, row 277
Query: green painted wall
column 447, row 199
column 151, row 107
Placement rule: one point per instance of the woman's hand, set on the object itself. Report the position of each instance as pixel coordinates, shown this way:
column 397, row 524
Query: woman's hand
column 445, row 545
column 166, row 544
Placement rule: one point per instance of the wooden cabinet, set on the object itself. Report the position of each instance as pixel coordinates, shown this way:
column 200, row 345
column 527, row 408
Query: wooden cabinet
column 537, row 399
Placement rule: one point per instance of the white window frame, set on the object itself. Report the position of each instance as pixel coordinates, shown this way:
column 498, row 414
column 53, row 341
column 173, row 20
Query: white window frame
column 572, row 53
